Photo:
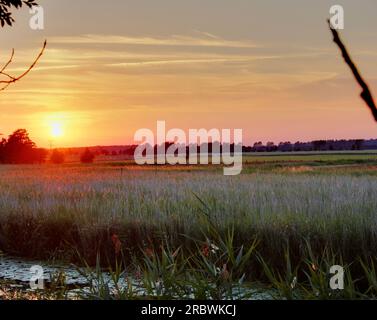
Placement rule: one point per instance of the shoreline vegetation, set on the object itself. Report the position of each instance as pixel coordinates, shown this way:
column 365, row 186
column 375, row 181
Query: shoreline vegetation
column 188, row 231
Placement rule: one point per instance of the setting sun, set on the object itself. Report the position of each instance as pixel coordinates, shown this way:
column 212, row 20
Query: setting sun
column 56, row 130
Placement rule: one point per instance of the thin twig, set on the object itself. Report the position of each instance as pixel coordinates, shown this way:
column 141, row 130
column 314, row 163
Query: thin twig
column 366, row 95
column 12, row 79
column 8, row 63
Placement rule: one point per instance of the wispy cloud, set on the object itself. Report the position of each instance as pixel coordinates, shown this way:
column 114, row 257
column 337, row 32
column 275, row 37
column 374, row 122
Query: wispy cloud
column 207, row 34
column 188, row 61
column 207, row 40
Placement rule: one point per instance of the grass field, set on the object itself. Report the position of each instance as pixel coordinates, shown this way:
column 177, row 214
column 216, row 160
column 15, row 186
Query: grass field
column 294, row 211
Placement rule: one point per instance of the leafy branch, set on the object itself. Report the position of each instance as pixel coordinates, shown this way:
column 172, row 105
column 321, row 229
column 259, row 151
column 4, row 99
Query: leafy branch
column 7, row 5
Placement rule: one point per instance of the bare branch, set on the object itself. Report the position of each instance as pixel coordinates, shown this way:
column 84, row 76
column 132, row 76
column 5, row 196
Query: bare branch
column 8, row 63
column 366, row 95
column 12, row 79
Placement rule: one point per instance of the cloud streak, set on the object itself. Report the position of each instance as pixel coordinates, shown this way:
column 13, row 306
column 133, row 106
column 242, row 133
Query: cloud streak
column 175, row 40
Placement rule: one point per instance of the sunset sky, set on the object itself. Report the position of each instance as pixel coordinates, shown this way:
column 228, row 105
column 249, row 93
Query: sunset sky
column 113, row 67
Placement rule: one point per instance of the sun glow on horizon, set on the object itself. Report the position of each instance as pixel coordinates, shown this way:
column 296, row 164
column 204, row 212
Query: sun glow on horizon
column 57, row 130
column 61, row 129
column 56, row 125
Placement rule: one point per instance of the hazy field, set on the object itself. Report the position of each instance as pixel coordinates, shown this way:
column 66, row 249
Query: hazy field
column 326, row 198
column 328, row 203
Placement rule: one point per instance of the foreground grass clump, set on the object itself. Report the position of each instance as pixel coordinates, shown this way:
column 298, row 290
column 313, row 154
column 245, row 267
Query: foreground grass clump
column 57, row 212
column 218, row 270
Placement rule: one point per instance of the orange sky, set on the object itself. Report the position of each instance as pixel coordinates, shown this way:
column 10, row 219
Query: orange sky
column 268, row 67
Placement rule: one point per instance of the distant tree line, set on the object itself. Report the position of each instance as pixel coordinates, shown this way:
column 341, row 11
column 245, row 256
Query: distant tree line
column 20, row 149
column 287, row 146
column 316, row 145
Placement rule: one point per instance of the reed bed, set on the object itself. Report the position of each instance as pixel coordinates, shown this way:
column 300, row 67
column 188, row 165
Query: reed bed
column 49, row 212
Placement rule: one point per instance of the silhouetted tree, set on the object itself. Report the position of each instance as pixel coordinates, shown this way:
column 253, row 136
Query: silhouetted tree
column 271, row 146
column 319, row 145
column 2, row 149
column 40, row 155
column 57, row 157
column 19, row 148
column 87, row 156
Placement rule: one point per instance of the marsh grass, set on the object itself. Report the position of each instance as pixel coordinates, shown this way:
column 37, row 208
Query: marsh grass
column 164, row 218
column 218, row 270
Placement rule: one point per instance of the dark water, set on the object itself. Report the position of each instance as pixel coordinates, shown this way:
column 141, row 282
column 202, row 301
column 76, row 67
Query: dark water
column 19, row 270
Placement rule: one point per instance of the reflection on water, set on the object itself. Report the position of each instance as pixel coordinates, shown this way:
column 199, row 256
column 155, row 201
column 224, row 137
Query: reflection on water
column 87, row 285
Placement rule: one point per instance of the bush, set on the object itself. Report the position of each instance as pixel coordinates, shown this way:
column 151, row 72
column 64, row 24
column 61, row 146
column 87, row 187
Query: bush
column 57, row 157
column 87, row 156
